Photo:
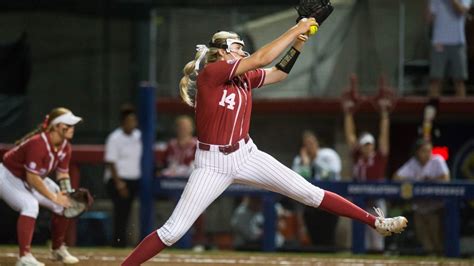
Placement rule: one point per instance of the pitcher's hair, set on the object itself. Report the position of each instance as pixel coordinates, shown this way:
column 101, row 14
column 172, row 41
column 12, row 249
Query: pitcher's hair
column 187, row 84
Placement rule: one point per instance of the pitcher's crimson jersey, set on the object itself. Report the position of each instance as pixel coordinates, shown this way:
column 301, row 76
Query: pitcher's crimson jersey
column 224, row 102
column 37, row 155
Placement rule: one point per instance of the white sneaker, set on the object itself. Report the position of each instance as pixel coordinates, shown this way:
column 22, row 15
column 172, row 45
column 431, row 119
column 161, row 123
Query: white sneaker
column 387, row 226
column 28, row 260
column 61, row 254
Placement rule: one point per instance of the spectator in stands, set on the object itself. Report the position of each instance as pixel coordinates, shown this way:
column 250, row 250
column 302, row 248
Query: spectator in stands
column 123, row 151
column 426, row 167
column 247, row 223
column 448, row 44
column 369, row 161
column 179, row 153
column 315, row 163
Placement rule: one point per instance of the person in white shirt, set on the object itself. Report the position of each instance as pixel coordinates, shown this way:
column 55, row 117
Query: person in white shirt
column 426, row 167
column 448, row 44
column 123, row 151
column 316, row 163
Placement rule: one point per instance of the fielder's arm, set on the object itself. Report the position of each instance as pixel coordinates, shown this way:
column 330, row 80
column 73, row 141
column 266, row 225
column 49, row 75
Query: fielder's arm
column 64, row 182
column 36, row 182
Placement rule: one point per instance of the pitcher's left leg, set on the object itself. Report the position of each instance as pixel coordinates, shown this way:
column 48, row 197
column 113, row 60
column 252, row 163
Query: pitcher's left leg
column 263, row 171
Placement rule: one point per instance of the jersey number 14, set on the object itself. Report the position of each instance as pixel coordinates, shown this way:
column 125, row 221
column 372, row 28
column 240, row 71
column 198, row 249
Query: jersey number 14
column 228, row 99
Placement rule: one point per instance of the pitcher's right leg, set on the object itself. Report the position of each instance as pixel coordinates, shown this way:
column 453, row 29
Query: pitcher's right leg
column 203, row 187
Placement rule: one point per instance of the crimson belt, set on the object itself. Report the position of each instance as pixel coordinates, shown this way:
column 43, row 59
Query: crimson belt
column 227, row 149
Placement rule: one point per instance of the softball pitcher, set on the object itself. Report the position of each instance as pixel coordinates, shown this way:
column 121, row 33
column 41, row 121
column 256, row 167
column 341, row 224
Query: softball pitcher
column 24, row 182
column 224, row 77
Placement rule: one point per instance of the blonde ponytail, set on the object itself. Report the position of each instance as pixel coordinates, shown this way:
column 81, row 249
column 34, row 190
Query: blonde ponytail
column 186, row 84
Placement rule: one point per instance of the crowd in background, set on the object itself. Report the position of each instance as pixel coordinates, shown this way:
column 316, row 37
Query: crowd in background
column 297, row 225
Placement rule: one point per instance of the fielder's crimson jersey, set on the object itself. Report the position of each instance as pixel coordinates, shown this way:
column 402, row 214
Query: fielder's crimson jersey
column 38, row 156
column 224, row 102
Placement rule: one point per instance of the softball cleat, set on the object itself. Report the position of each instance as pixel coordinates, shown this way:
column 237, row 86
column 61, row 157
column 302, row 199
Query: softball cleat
column 387, row 226
column 63, row 255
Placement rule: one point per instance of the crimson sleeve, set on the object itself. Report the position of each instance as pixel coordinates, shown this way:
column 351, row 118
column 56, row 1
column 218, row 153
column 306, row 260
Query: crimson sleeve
column 34, row 155
column 219, row 72
column 256, row 78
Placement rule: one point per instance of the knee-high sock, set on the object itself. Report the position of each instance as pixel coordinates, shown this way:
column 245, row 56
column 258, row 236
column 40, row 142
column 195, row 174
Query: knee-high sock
column 148, row 248
column 25, row 226
column 59, row 225
column 338, row 205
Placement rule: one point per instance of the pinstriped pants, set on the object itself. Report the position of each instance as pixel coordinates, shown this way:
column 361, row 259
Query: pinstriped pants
column 216, row 171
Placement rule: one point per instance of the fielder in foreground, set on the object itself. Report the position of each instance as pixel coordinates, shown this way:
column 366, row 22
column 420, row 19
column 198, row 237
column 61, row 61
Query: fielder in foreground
column 24, row 184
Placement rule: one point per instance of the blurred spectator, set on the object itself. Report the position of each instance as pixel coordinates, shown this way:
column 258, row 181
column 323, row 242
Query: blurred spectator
column 426, row 167
column 315, row 163
column 123, row 151
column 179, row 153
column 247, row 222
column 369, row 163
column 448, row 44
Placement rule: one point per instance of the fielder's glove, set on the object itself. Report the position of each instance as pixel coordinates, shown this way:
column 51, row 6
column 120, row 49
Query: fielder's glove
column 318, row 9
column 81, row 200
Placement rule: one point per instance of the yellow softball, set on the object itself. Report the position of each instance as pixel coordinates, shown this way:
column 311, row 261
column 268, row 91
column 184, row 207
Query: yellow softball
column 313, row 30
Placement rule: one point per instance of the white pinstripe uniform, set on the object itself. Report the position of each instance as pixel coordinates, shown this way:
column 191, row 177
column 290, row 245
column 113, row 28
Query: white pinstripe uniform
column 223, row 107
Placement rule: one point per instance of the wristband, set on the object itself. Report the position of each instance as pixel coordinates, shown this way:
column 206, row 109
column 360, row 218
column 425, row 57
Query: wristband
column 287, row 62
column 65, row 185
